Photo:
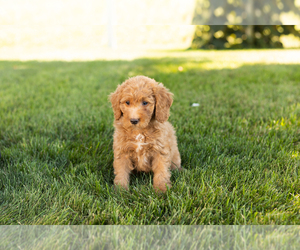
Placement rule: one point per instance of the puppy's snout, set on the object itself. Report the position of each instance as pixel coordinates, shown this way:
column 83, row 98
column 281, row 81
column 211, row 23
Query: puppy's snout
column 134, row 121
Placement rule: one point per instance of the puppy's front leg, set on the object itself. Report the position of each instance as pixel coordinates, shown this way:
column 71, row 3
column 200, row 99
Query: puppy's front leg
column 160, row 168
column 122, row 169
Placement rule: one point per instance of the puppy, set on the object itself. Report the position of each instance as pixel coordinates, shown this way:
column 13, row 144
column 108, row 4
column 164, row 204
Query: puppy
column 143, row 139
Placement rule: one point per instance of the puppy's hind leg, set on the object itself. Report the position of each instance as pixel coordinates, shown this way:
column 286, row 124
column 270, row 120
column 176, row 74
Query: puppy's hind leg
column 176, row 161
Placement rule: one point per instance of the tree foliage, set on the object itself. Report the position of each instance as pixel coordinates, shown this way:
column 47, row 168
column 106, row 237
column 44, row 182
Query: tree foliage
column 238, row 24
column 237, row 36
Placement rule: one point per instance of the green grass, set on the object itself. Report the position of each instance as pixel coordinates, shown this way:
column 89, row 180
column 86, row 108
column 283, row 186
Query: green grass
column 240, row 147
column 150, row 237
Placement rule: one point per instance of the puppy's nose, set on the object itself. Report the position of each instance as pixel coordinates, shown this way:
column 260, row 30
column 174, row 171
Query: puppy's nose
column 134, row 121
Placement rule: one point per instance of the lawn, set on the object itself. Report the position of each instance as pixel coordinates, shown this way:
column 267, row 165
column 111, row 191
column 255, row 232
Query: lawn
column 240, row 147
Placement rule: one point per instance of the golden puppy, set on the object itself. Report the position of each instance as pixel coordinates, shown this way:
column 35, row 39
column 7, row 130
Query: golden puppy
column 143, row 139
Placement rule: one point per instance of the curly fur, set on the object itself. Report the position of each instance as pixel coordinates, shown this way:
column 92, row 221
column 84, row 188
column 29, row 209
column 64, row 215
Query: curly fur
column 149, row 145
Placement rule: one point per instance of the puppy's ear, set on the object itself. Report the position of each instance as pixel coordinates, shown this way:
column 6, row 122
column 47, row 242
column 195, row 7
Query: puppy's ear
column 115, row 101
column 163, row 103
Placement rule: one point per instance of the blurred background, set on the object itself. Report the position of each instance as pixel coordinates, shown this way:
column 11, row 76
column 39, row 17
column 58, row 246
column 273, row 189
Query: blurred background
column 92, row 29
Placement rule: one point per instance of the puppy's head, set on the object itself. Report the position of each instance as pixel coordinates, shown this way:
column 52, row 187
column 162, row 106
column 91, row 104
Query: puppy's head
column 140, row 99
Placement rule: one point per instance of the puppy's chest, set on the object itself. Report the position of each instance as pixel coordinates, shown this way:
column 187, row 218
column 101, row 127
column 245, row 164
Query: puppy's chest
column 139, row 144
column 141, row 148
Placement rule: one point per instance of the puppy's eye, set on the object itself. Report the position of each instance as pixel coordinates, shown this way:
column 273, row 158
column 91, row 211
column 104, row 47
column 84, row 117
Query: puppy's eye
column 144, row 103
column 127, row 102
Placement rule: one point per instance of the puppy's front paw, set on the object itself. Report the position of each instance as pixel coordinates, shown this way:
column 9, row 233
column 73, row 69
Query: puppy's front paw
column 162, row 186
column 119, row 183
